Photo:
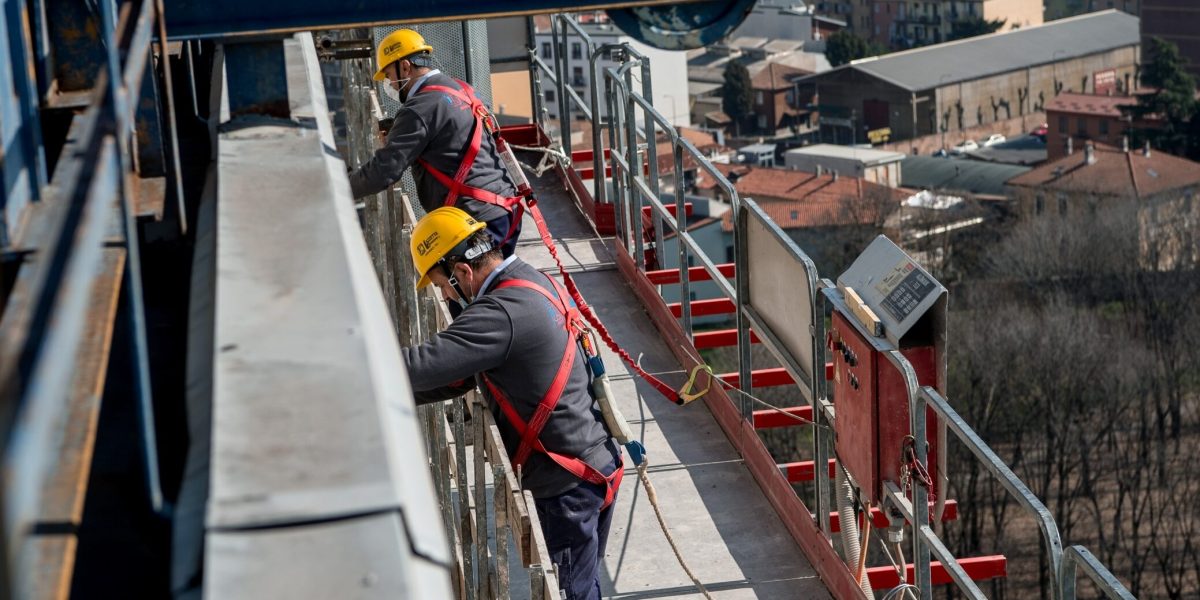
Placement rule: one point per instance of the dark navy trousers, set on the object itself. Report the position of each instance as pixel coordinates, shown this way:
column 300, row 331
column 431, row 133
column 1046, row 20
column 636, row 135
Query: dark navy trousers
column 498, row 228
column 576, row 533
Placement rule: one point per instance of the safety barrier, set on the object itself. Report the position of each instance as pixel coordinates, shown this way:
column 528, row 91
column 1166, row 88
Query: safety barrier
column 479, row 497
column 632, row 125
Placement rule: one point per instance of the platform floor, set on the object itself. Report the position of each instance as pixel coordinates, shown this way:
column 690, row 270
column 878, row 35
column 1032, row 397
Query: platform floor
column 726, row 529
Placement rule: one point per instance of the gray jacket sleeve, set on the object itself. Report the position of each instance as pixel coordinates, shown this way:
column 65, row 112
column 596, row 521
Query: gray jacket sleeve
column 477, row 341
column 406, row 141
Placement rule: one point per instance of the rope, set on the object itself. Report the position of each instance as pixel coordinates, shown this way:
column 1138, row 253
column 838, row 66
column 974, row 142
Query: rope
column 662, row 523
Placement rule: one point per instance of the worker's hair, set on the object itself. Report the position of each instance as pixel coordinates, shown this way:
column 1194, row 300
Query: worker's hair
column 477, row 239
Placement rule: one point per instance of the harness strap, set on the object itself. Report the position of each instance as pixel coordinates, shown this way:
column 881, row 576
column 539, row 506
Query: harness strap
column 530, row 433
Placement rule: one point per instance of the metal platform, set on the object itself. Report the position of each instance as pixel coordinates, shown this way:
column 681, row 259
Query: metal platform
column 723, row 523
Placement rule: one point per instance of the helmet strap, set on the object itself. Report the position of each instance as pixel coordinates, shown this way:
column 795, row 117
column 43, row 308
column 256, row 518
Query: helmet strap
column 453, row 281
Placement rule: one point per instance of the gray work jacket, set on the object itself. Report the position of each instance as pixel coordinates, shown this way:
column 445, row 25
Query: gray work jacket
column 437, row 127
column 517, row 337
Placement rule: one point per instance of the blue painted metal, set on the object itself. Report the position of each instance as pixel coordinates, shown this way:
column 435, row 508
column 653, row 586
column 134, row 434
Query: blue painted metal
column 682, row 26
column 23, row 164
column 118, row 87
column 257, row 78
column 225, row 18
column 75, row 43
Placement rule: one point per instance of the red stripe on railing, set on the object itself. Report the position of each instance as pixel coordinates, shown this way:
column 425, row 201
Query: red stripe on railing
column 703, row 308
column 978, row 568
column 718, row 339
column 760, row 378
column 769, row 419
column 798, row 472
column 669, row 276
column 880, row 521
column 671, row 208
column 586, row 155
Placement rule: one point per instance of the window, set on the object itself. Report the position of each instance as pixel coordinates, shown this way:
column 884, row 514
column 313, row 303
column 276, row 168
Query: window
column 546, row 50
column 549, row 95
column 1081, row 126
column 1104, row 127
column 1063, row 127
column 1062, row 204
column 577, row 76
column 762, row 121
column 758, row 98
column 576, row 51
column 791, row 98
column 795, row 215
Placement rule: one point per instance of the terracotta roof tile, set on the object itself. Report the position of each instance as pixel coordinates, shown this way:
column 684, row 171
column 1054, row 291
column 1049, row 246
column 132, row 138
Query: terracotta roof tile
column 1115, row 173
column 795, row 199
column 775, row 77
column 1089, row 104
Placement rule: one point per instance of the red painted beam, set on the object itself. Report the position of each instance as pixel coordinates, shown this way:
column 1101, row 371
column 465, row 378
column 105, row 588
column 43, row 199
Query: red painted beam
column 718, row 339
column 797, row 472
column 880, row 521
column 978, row 568
column 589, row 172
column 671, row 208
column 769, row 419
column 586, row 155
column 669, row 276
column 760, row 378
column 703, row 308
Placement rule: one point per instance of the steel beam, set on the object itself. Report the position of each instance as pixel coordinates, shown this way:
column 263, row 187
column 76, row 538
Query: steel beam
column 257, row 78
column 21, row 158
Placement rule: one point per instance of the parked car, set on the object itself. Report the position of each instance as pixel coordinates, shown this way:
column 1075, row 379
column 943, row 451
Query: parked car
column 1040, row 131
column 994, row 139
column 965, row 146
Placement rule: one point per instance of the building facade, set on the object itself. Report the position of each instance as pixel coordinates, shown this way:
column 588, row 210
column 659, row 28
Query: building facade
column 1178, row 22
column 668, row 70
column 948, row 87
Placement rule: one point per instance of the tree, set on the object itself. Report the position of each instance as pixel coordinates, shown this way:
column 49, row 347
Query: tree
column 737, row 95
column 973, row 26
column 1172, row 104
column 843, row 47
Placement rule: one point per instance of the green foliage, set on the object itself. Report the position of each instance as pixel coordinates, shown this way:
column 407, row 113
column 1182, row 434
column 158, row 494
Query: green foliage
column 973, row 26
column 737, row 94
column 1172, row 105
column 843, row 47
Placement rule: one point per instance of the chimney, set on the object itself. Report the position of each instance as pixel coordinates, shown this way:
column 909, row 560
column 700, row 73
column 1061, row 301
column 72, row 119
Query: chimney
column 1070, row 145
column 1089, row 154
column 1146, row 149
column 820, row 171
column 835, row 175
column 1125, row 144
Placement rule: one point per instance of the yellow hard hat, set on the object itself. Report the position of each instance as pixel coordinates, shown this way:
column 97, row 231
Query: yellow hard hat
column 399, row 44
column 440, row 234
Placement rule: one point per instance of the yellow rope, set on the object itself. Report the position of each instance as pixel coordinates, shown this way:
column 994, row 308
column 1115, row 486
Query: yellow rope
column 662, row 522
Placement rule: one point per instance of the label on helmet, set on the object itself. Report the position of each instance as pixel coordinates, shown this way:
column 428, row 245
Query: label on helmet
column 426, row 245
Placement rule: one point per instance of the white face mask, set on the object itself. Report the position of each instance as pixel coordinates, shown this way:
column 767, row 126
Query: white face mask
column 391, row 90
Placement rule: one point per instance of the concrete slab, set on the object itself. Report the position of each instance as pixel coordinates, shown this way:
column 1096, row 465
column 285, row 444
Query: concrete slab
column 726, row 529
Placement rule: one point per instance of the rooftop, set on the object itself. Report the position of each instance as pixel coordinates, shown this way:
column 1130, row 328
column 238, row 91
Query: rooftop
column 775, row 76
column 795, row 199
column 866, row 156
column 963, row 176
column 1089, row 104
column 1115, row 173
column 993, row 54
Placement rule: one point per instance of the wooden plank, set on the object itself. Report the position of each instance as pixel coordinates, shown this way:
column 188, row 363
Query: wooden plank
column 862, row 312
column 55, row 534
column 540, row 553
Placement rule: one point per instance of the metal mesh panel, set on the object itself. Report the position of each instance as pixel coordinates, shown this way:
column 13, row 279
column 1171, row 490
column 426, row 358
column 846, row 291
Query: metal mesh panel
column 460, row 50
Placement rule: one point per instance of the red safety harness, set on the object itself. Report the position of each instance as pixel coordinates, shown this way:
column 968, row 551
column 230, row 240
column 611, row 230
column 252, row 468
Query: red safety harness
column 457, row 188
column 530, row 432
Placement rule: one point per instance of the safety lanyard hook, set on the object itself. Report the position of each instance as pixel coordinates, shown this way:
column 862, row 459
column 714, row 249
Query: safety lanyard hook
column 685, row 395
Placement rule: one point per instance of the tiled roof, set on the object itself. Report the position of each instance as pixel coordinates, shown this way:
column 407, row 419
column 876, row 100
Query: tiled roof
column 795, row 199
column 775, row 77
column 1115, row 173
column 1089, row 104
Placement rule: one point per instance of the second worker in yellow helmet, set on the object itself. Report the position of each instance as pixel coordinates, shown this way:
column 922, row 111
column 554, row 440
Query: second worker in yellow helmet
column 441, row 132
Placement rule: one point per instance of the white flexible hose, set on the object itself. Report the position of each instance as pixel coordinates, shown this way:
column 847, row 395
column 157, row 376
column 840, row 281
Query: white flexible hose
column 849, row 526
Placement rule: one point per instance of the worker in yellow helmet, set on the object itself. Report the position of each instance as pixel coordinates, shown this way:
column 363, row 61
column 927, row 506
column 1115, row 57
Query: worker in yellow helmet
column 444, row 132
column 520, row 337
